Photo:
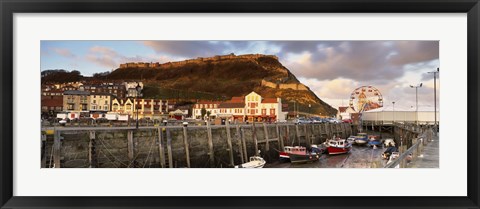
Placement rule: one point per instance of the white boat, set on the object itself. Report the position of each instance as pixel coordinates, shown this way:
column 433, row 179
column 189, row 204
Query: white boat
column 255, row 162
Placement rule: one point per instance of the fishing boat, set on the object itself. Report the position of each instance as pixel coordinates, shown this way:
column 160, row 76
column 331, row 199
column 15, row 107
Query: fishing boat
column 351, row 139
column 374, row 140
column 255, row 162
column 338, row 146
column 299, row 154
column 320, row 148
column 284, row 155
column 361, row 139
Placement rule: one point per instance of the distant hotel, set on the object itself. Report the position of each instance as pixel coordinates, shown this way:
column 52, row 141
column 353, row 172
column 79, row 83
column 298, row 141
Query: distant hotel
column 251, row 107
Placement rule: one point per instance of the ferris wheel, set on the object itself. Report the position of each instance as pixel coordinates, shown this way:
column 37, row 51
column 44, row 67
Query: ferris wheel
column 366, row 98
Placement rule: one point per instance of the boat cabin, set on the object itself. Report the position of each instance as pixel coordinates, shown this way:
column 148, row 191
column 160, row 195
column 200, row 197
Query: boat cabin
column 338, row 143
column 295, row 150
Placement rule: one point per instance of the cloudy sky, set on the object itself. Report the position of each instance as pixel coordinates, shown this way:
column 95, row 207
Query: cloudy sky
column 332, row 69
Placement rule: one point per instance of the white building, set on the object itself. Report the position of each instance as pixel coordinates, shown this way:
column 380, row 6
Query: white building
column 251, row 107
column 424, row 115
column 131, row 88
column 345, row 113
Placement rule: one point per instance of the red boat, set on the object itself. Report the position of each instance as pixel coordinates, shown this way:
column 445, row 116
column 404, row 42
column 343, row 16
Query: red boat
column 338, row 146
column 298, row 154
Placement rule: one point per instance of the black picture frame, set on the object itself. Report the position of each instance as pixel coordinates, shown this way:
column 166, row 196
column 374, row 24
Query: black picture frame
column 10, row 7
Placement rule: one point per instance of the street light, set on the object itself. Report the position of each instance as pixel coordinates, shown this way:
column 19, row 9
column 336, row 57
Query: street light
column 416, row 100
column 393, row 112
column 138, row 88
column 435, row 96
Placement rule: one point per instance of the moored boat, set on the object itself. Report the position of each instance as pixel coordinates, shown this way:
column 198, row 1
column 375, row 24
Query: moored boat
column 299, row 154
column 255, row 162
column 361, row 139
column 351, row 139
column 284, row 155
column 374, row 140
column 338, row 146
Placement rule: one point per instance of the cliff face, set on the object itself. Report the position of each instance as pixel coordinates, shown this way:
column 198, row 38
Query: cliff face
column 223, row 77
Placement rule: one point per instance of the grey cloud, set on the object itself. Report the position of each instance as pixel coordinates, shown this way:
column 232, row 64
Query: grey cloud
column 414, row 51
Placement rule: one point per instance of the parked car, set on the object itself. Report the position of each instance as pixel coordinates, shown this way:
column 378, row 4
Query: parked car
column 317, row 120
column 334, row 120
column 302, row 121
column 347, row 121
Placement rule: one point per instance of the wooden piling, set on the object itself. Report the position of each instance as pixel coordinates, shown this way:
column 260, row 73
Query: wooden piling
column 45, row 153
column 161, row 149
column 186, row 146
column 131, row 148
column 169, row 148
column 254, row 136
column 56, row 149
column 92, row 154
column 307, row 137
column 229, row 142
column 297, row 134
column 244, row 143
column 265, row 130
column 210, row 145
column 287, row 134
column 280, row 138
column 239, row 142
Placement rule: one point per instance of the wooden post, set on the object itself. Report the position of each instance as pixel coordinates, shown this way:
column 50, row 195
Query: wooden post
column 131, row 148
column 239, row 142
column 265, row 130
column 161, row 149
column 169, row 148
column 45, row 153
column 287, row 134
column 210, row 145
column 57, row 140
column 245, row 154
column 186, row 146
column 297, row 134
column 307, row 138
column 92, row 154
column 229, row 142
column 280, row 138
column 326, row 126
column 254, row 136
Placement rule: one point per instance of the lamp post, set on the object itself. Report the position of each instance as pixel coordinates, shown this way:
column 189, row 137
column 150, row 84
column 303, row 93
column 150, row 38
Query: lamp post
column 416, row 100
column 435, row 97
column 393, row 112
column 138, row 88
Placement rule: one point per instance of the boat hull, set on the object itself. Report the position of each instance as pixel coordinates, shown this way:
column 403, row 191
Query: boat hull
column 360, row 141
column 338, row 150
column 296, row 158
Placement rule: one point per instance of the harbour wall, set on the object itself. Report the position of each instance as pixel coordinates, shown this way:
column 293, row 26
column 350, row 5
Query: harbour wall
column 208, row 146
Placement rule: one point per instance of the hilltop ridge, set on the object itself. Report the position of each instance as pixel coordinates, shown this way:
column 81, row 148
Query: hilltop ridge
column 220, row 78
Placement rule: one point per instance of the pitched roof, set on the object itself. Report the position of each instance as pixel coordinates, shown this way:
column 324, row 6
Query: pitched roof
column 238, row 99
column 232, row 105
column 56, row 102
column 76, row 92
column 342, row 109
column 269, row 100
